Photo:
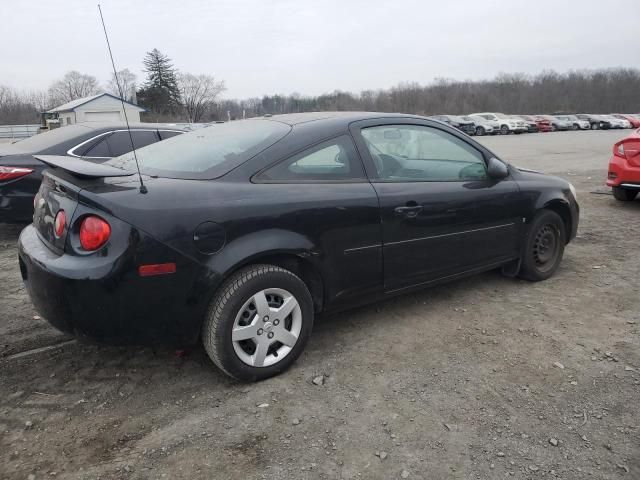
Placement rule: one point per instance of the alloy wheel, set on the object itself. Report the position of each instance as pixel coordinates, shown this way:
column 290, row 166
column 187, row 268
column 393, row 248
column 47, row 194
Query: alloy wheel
column 267, row 327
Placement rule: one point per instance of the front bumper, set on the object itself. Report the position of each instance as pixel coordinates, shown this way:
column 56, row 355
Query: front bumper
column 103, row 299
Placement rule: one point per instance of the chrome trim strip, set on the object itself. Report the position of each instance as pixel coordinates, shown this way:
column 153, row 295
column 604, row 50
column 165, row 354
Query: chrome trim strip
column 356, row 249
column 630, row 185
column 71, row 150
column 450, row 234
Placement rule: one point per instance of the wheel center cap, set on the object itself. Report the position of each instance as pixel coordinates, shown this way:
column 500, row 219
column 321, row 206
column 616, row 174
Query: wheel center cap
column 268, row 326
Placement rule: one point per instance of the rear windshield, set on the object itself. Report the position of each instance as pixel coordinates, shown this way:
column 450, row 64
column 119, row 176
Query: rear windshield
column 205, row 153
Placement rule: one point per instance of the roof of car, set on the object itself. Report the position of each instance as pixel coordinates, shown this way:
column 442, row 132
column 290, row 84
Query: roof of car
column 120, row 125
column 338, row 117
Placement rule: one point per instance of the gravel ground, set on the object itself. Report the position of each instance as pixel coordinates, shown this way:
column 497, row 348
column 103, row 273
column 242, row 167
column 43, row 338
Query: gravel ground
column 483, row 378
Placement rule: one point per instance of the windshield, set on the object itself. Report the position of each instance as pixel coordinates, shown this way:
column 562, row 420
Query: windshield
column 205, row 153
column 501, row 115
column 42, row 141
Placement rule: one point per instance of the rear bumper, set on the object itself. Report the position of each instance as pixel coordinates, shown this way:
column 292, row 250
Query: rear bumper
column 620, row 172
column 16, row 208
column 104, row 300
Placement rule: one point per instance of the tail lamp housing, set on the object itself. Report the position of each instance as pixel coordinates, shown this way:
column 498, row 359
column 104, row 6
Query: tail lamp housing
column 59, row 223
column 13, row 173
column 94, row 232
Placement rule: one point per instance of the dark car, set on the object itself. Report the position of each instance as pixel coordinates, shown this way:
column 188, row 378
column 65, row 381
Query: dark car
column 596, row 121
column 249, row 229
column 461, row 124
column 21, row 173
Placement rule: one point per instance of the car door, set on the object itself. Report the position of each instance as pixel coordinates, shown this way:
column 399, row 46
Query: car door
column 441, row 214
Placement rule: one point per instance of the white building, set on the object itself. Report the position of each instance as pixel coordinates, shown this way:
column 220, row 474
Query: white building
column 97, row 108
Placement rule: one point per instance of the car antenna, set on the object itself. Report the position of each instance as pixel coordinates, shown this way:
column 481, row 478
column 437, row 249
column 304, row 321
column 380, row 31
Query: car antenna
column 143, row 188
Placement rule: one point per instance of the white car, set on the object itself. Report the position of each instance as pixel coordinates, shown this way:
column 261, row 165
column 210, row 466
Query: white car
column 577, row 123
column 484, row 126
column 617, row 122
column 507, row 124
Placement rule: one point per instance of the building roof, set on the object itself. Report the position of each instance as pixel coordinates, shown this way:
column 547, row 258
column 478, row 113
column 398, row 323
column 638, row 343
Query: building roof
column 72, row 105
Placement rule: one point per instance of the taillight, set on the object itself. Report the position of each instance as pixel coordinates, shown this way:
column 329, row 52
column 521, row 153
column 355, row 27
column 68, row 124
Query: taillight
column 94, row 233
column 11, row 173
column 59, row 223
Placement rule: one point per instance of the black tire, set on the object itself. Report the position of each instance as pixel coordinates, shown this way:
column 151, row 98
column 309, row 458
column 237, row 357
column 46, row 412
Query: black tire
column 544, row 246
column 594, row 126
column 504, row 130
column 575, row 127
column 479, row 131
column 227, row 304
column 554, row 128
column 624, row 194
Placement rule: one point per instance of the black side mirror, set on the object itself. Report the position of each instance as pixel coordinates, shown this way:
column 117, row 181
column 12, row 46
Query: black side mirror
column 497, row 169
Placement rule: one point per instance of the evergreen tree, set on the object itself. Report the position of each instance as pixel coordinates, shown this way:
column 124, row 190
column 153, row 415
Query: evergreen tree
column 160, row 92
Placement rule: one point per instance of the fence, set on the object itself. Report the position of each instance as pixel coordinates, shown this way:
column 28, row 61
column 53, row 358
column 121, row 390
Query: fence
column 18, row 131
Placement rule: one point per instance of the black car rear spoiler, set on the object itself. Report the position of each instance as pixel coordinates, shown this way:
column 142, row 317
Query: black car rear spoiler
column 82, row 168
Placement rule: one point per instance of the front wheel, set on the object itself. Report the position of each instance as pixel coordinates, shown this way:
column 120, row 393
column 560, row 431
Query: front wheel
column 544, row 247
column 594, row 126
column 624, row 194
column 479, row 131
column 504, row 130
column 258, row 323
column 575, row 127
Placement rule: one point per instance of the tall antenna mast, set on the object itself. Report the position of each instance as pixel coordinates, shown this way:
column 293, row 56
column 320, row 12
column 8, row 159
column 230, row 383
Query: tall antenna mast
column 143, row 188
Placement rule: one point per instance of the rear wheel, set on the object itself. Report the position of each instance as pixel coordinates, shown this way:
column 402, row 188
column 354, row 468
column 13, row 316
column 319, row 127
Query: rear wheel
column 258, row 323
column 624, row 194
column 544, row 246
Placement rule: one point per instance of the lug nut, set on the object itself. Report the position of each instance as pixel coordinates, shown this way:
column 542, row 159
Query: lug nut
column 270, row 335
column 260, row 331
column 266, row 318
column 276, row 321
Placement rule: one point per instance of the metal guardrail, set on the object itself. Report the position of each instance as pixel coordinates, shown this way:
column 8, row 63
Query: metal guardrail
column 18, row 131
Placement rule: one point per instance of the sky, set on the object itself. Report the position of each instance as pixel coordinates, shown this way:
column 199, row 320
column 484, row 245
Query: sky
column 312, row 47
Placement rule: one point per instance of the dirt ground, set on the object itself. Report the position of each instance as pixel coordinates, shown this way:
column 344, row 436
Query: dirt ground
column 484, row 378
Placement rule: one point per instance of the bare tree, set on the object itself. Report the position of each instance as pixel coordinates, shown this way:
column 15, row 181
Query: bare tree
column 198, row 93
column 16, row 108
column 72, row 86
column 127, row 81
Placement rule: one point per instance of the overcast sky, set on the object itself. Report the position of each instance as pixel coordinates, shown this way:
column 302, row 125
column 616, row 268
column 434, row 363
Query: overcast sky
column 311, row 47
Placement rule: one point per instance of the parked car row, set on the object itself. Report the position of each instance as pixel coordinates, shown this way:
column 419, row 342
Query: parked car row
column 493, row 123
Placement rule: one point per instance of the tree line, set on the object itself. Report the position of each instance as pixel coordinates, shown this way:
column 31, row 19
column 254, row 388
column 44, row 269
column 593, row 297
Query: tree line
column 170, row 95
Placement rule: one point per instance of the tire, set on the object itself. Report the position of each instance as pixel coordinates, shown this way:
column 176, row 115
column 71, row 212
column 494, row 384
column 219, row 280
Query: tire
column 544, row 247
column 504, row 130
column 479, row 131
column 594, row 126
column 575, row 127
column 554, row 128
column 624, row 194
column 239, row 306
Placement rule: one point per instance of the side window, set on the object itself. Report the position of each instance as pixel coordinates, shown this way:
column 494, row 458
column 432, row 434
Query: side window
column 333, row 160
column 99, row 149
column 120, row 143
column 405, row 153
column 164, row 134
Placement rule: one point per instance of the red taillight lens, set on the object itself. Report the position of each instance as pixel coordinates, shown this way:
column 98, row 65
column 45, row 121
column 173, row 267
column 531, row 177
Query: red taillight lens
column 94, row 232
column 59, row 223
column 11, row 173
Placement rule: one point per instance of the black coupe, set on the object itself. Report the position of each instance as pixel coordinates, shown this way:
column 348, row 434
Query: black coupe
column 248, row 229
column 21, row 173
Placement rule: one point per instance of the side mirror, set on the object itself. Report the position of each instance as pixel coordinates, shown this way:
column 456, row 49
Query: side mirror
column 497, row 169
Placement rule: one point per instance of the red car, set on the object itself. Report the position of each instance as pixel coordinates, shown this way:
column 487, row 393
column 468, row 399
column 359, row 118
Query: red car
column 624, row 168
column 634, row 121
column 544, row 125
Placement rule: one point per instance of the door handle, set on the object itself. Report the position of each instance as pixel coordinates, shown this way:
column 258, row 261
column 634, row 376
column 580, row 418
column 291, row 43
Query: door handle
column 408, row 211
